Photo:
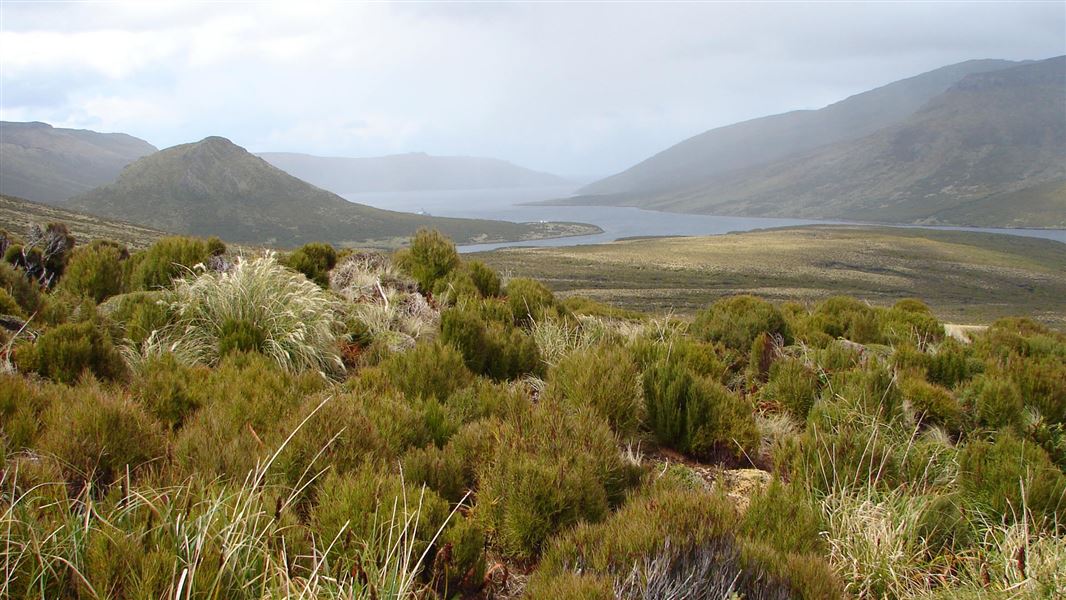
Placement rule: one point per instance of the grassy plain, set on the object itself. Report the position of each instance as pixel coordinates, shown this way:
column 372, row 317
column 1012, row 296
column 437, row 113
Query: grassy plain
column 965, row 277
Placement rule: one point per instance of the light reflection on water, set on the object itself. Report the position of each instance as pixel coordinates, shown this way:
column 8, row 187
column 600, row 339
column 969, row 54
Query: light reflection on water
column 616, row 222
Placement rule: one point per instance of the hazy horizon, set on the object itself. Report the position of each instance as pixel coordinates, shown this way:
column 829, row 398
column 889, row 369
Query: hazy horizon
column 578, row 90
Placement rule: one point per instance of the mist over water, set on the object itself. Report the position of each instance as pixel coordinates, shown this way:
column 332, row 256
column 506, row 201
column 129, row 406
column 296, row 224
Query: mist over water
column 616, row 222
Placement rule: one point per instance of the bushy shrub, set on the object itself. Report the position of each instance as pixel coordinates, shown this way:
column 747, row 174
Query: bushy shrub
column 910, row 321
column 314, row 260
column 785, row 517
column 933, row 404
column 25, row 292
column 66, row 352
column 428, row 370
column 138, row 314
column 550, row 468
column 871, row 390
column 945, row 524
column 996, row 401
column 485, row 279
column 21, row 408
column 361, row 510
column 605, row 379
column 737, row 320
column 97, row 434
column 529, row 300
column 1042, row 383
column 8, row 305
column 846, row 317
column 697, row 416
column 168, row 389
column 490, row 348
column 1009, row 474
column 430, row 258
column 165, row 260
column 792, row 385
column 705, row 359
column 952, row 363
column 258, row 305
column 460, row 563
column 95, row 271
column 244, row 403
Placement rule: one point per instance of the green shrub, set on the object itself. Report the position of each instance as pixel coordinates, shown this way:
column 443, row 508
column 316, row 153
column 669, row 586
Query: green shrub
column 550, row 469
column 138, row 314
column 430, row 258
column 761, row 358
column 529, row 300
column 95, row 271
column 697, row 416
column 605, row 379
column 367, row 506
column 259, row 305
column 945, row 524
column 785, row 517
column 215, row 246
column 66, row 352
column 314, row 260
column 490, row 348
column 21, row 408
column 995, row 474
column 25, row 292
column 910, row 321
column 713, row 361
column 996, row 401
column 460, row 563
column 951, row 364
column 485, row 279
column 871, row 391
column 167, row 389
column 164, row 261
column 458, row 286
column 792, row 385
column 243, row 403
column 428, row 370
column 736, row 322
column 845, row 317
column 8, row 305
column 1042, row 383
column 933, row 404
column 97, row 434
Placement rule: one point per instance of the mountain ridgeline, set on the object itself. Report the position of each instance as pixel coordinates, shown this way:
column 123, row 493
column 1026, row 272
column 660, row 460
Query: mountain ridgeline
column 215, row 187
column 407, row 172
column 50, row 164
column 978, row 143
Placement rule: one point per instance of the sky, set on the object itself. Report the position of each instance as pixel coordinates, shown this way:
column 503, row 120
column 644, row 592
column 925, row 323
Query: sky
column 579, row 89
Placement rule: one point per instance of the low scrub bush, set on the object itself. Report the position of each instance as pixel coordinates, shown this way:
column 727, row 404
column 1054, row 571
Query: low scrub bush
column 792, row 385
column 67, row 352
column 97, row 434
column 849, row 318
column 25, row 292
column 933, row 405
column 697, row 416
column 488, row 347
column 165, row 260
column 910, row 321
column 167, row 388
column 258, row 305
column 137, row 314
column 736, row 322
column 550, row 468
column 1042, row 383
column 530, row 301
column 429, row 259
column 314, row 260
column 786, row 518
column 1009, row 476
column 605, row 379
column 95, row 271
column 431, row 370
column 995, row 401
column 22, row 405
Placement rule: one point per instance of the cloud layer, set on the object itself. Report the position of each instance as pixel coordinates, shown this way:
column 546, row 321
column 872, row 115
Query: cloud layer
column 571, row 88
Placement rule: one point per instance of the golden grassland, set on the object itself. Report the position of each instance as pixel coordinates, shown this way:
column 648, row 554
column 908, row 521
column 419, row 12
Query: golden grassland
column 966, row 277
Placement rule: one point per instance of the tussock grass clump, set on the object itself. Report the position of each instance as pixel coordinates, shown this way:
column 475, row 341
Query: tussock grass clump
column 736, row 322
column 293, row 321
column 606, row 379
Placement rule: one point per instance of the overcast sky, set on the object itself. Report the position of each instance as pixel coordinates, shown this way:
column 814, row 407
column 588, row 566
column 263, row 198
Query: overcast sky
column 577, row 89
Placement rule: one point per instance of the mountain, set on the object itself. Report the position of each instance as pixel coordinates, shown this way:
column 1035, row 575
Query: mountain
column 50, row 164
column 767, row 139
column 215, row 187
column 989, row 151
column 407, row 172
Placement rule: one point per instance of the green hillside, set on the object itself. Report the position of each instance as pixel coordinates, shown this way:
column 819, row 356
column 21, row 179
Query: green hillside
column 214, row 187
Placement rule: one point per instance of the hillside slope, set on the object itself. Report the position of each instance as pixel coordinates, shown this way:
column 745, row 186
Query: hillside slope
column 50, row 164
column 214, row 187
column 990, row 151
column 767, row 139
column 407, row 172
column 18, row 215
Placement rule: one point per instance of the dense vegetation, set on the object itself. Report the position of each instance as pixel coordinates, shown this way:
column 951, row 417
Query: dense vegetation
column 184, row 422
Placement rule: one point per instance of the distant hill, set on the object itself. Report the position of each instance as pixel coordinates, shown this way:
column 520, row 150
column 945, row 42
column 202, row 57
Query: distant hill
column 214, row 187
column 767, row 139
column 990, row 151
column 407, row 172
column 49, row 164
column 18, row 216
